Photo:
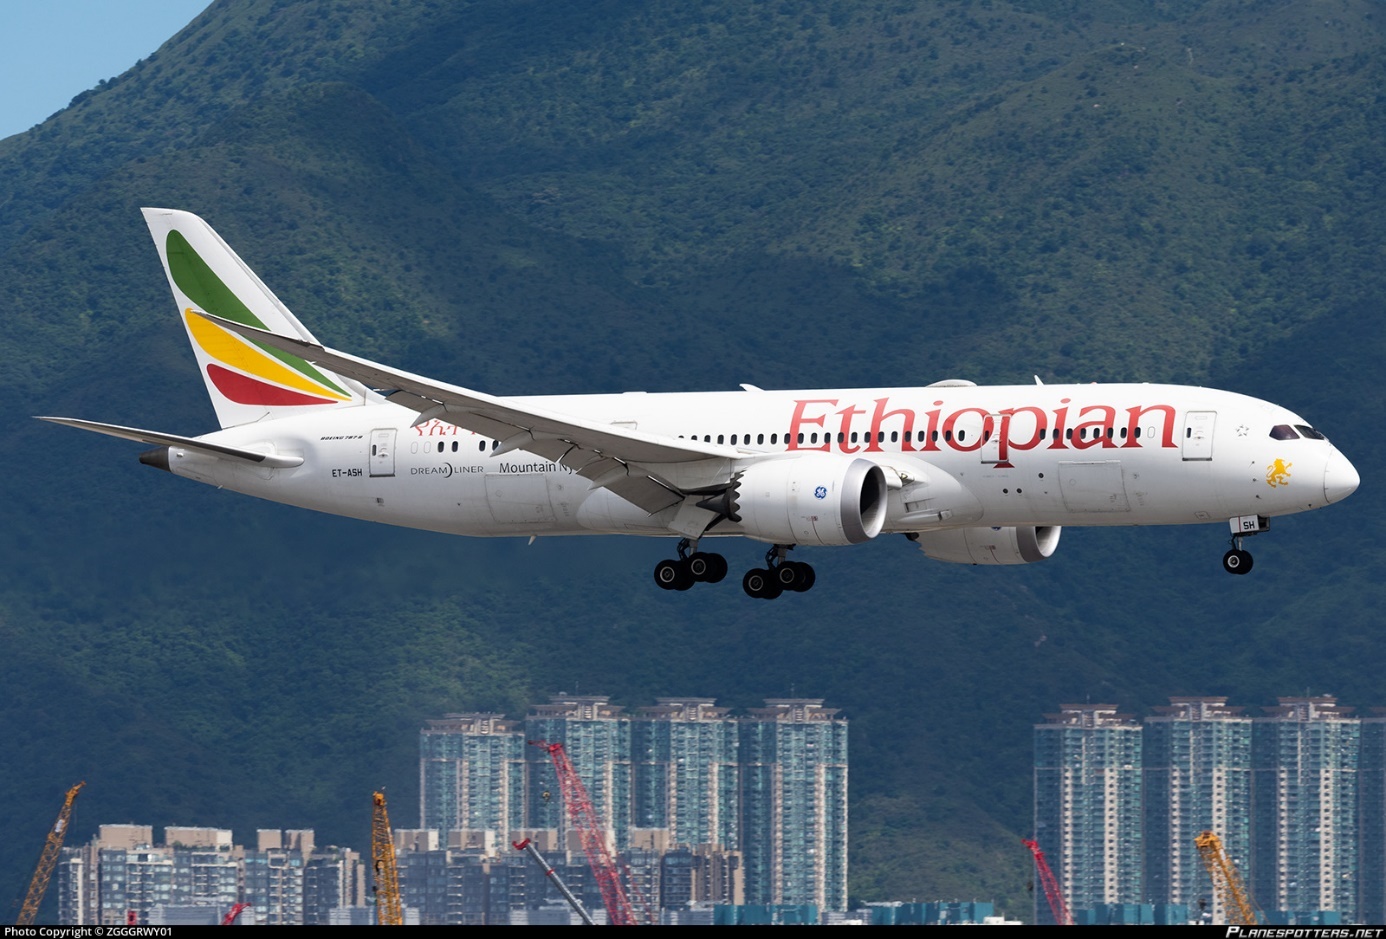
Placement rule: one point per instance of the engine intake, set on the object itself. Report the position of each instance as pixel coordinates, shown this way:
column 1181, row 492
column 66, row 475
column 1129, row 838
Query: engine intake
column 1024, row 545
column 818, row 499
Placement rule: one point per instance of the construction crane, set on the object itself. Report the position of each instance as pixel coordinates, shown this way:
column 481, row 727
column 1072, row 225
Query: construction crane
column 52, row 848
column 532, row 850
column 1227, row 881
column 388, row 911
column 1052, row 893
column 230, row 918
column 583, row 817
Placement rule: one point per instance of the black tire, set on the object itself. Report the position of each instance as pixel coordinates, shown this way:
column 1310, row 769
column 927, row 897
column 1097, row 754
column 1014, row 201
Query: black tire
column 717, row 569
column 1237, row 561
column 707, row 568
column 673, row 575
column 807, row 578
column 787, row 575
column 761, row 584
column 698, row 565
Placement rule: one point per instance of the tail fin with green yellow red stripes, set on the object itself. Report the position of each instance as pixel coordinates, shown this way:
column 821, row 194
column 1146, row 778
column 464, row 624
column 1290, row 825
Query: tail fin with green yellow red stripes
column 247, row 381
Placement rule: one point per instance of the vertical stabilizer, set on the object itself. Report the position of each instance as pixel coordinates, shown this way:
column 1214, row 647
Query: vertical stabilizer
column 247, row 381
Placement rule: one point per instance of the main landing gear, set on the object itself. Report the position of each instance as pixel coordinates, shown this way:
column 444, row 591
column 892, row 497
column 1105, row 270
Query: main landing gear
column 778, row 575
column 688, row 569
column 767, row 583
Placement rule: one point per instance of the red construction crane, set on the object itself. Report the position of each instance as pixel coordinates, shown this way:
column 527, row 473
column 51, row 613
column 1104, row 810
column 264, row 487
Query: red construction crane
column 583, row 817
column 230, row 918
column 1052, row 892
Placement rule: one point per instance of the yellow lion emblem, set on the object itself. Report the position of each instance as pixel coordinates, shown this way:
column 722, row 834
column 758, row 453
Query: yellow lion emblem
column 1278, row 473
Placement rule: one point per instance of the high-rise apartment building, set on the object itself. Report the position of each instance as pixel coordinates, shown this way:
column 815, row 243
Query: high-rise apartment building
column 1088, row 818
column 1304, row 804
column 793, row 755
column 472, row 773
column 685, row 752
column 596, row 736
column 1371, row 820
column 1197, row 778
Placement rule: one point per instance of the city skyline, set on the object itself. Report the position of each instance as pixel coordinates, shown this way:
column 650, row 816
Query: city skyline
column 1293, row 794
column 770, row 784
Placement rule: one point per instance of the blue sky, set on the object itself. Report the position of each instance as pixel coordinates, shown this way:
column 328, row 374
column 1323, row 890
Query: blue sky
column 52, row 50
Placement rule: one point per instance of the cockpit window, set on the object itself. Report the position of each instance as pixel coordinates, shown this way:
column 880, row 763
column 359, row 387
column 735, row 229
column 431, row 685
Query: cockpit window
column 1310, row 432
column 1283, row 432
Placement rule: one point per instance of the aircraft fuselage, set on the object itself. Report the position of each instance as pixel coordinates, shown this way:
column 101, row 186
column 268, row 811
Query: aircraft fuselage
column 1027, row 455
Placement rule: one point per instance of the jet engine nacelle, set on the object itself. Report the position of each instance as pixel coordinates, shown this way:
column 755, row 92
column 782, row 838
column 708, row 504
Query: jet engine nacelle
column 990, row 545
column 815, row 499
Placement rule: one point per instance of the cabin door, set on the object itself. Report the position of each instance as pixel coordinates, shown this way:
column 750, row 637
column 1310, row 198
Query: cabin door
column 1198, row 435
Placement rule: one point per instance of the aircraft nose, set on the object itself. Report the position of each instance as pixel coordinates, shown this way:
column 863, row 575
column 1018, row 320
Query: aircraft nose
column 1340, row 479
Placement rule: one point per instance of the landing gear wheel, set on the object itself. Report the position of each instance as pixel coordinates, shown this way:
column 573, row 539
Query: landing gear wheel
column 794, row 575
column 673, row 575
column 1236, row 561
column 707, row 568
column 761, row 584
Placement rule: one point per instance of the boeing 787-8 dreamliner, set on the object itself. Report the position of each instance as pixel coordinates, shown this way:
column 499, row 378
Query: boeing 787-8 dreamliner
column 971, row 474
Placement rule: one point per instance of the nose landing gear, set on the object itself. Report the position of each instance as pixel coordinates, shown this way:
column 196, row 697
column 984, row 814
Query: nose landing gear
column 1238, row 560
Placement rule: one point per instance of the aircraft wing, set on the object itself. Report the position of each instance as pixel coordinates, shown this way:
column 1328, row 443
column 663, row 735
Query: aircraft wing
column 603, row 453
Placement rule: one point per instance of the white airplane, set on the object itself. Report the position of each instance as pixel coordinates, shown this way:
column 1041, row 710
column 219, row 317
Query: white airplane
column 972, row 475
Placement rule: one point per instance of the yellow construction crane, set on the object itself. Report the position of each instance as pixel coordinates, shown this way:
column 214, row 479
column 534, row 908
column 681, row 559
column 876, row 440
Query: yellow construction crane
column 1227, row 882
column 48, row 860
column 388, row 911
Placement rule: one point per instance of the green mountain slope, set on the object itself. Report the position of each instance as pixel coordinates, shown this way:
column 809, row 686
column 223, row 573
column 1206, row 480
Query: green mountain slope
column 531, row 197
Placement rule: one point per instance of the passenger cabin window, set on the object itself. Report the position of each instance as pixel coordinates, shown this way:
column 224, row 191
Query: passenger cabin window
column 1283, row 432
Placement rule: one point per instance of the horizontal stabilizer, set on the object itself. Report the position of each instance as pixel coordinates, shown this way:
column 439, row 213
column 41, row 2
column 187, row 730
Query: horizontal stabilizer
column 186, row 443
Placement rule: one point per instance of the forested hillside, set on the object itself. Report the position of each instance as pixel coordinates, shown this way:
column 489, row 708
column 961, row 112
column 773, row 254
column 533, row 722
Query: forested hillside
column 531, row 197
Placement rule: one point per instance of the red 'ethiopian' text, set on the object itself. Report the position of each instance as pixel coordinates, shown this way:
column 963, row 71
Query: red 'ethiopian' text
column 969, row 429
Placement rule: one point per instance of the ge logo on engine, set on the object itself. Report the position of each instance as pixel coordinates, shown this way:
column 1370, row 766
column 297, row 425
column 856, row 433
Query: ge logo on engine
column 821, row 492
